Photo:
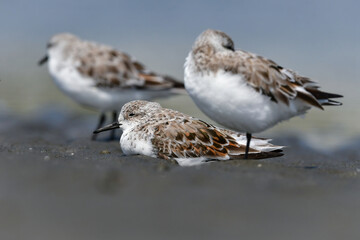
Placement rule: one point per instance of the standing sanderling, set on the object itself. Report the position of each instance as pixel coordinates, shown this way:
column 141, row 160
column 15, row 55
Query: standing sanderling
column 102, row 78
column 244, row 91
column 151, row 130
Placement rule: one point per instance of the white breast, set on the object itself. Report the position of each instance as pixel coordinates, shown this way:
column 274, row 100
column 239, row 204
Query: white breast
column 133, row 143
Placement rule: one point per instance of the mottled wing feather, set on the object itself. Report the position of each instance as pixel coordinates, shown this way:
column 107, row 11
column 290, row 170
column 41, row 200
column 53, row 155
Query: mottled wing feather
column 111, row 69
column 270, row 79
column 195, row 138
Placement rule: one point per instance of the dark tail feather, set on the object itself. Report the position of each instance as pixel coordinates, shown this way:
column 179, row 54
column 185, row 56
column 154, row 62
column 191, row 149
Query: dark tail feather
column 176, row 83
column 272, row 154
column 260, row 155
column 330, row 102
column 324, row 98
column 322, row 95
column 160, row 82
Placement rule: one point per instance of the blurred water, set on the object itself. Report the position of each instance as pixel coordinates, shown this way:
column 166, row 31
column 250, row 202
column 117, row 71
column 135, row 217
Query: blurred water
column 319, row 39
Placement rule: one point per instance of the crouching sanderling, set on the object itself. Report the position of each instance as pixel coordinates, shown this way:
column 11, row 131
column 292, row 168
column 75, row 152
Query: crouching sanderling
column 151, row 130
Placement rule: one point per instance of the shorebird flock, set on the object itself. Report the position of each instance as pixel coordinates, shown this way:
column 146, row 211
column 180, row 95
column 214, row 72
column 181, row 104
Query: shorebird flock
column 242, row 91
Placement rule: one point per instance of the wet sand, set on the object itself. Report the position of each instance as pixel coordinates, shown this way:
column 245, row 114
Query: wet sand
column 57, row 184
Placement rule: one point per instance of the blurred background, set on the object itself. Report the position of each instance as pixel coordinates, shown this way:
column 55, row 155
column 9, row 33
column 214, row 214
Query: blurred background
column 319, row 39
column 57, row 184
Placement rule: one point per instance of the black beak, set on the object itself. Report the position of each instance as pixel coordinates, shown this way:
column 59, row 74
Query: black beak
column 43, row 60
column 108, row 127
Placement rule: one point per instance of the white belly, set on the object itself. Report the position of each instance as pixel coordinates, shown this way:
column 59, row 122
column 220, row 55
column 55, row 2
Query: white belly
column 228, row 100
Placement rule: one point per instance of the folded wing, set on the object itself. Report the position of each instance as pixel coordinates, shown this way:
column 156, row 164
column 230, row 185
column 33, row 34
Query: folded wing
column 197, row 139
column 276, row 82
column 111, row 69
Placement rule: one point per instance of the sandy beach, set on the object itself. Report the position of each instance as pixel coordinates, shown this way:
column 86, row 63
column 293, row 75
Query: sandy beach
column 57, row 184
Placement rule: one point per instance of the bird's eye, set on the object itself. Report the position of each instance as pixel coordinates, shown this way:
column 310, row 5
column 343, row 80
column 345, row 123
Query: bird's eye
column 131, row 114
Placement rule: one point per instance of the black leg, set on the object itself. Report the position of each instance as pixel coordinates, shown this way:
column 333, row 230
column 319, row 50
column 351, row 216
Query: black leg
column 112, row 133
column 248, row 138
column 100, row 124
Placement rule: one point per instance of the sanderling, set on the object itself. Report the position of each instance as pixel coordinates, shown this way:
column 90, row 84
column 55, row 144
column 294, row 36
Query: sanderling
column 244, row 91
column 102, row 78
column 151, row 130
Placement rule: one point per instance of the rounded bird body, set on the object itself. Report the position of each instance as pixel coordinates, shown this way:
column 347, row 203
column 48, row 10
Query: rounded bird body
column 151, row 130
column 245, row 91
column 228, row 100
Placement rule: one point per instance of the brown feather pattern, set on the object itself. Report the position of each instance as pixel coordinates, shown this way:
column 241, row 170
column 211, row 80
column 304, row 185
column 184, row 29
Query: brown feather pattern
column 111, row 68
column 263, row 75
column 179, row 139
